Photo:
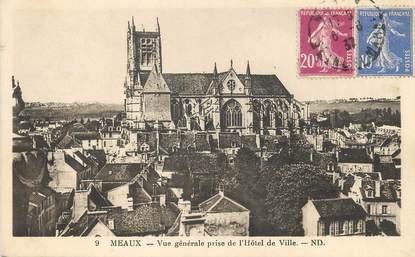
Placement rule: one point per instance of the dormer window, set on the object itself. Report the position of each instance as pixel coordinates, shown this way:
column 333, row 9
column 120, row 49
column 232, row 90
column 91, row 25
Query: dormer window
column 145, row 147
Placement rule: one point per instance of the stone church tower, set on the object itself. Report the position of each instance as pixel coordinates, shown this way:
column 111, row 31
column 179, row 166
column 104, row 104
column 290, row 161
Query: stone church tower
column 146, row 100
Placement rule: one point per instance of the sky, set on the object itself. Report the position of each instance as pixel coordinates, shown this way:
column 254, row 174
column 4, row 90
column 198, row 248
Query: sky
column 79, row 55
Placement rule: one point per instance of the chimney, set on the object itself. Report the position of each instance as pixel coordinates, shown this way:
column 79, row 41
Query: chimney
column 377, row 188
column 184, row 206
column 111, row 224
column 162, row 200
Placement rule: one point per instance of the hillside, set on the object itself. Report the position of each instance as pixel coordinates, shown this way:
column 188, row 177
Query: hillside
column 354, row 107
column 70, row 111
column 64, row 111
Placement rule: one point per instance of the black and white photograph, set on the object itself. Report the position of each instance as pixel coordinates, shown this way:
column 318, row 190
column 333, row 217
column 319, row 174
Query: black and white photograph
column 196, row 123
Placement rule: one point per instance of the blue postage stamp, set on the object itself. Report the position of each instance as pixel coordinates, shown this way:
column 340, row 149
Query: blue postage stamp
column 384, row 42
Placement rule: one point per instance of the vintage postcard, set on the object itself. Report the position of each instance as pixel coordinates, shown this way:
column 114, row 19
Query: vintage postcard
column 207, row 128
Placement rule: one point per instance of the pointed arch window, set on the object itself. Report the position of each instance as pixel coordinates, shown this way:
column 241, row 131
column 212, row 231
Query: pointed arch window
column 232, row 114
column 175, row 109
column 279, row 121
column 269, row 114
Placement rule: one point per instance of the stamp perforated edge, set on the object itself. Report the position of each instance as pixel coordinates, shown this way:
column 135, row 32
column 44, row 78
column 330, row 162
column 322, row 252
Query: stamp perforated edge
column 354, row 76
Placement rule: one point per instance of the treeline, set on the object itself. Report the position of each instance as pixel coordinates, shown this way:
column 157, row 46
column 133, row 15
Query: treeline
column 378, row 116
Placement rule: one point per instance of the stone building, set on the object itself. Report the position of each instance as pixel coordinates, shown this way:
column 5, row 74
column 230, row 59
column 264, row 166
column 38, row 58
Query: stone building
column 218, row 101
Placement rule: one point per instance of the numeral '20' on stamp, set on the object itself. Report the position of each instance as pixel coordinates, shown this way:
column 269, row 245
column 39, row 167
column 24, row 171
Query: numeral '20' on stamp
column 384, row 42
column 326, row 42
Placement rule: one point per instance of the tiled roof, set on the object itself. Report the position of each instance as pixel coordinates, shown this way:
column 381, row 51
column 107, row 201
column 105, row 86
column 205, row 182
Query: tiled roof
column 198, row 83
column 175, row 163
column 86, row 135
column 347, row 155
column 40, row 142
column 85, row 159
column 338, row 208
column 348, row 182
column 144, row 219
column 74, row 163
column 188, row 83
column 155, row 83
column 221, row 203
column 229, row 140
column 387, row 170
column 203, row 163
column 31, row 168
column 119, row 172
column 96, row 196
column 140, row 196
column 206, row 205
column 67, row 142
column 387, row 190
column 98, row 155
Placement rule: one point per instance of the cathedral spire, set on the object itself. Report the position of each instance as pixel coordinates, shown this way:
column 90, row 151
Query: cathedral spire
column 158, row 25
column 248, row 84
column 132, row 23
column 248, row 70
column 215, row 72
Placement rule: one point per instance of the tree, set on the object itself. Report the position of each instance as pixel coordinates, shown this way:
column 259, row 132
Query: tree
column 288, row 189
column 247, row 166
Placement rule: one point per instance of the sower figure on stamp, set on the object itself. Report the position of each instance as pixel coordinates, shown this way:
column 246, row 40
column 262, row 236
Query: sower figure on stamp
column 321, row 38
column 379, row 39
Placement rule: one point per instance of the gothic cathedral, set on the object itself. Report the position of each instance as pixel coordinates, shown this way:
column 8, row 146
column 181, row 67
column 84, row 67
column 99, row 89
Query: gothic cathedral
column 218, row 101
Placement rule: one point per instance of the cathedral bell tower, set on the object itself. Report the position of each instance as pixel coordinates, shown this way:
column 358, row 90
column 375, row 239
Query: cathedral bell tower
column 143, row 54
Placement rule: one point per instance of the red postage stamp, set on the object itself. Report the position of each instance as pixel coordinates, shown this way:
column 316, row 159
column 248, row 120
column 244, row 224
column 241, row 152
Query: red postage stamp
column 326, row 42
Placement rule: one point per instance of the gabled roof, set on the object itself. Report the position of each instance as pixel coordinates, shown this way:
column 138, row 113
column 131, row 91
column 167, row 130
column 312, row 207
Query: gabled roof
column 387, row 192
column 119, row 172
column 221, row 203
column 198, row 83
column 203, row 163
column 338, row 208
column 387, row 170
column 67, row 142
column 97, row 155
column 74, row 163
column 90, row 135
column 155, row 83
column 144, row 219
column 175, row 163
column 348, row 155
column 85, row 159
column 150, row 138
column 97, row 197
